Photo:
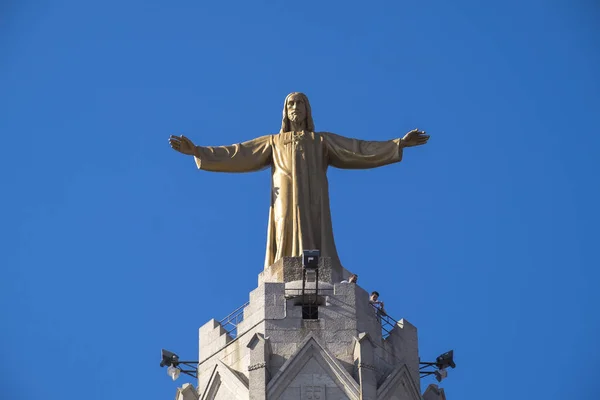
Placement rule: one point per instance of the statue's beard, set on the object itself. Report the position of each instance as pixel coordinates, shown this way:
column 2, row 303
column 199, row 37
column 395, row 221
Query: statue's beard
column 296, row 119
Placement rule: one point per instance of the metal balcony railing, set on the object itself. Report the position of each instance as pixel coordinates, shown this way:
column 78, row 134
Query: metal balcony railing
column 230, row 322
column 387, row 322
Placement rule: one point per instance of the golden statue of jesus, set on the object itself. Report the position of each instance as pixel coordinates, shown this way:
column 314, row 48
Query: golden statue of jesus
column 299, row 216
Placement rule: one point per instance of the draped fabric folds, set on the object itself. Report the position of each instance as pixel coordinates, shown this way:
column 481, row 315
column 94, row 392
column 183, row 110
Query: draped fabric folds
column 299, row 215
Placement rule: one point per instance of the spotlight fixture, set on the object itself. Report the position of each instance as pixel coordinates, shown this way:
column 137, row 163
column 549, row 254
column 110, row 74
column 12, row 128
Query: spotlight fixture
column 168, row 358
column 440, row 374
column 171, row 360
column 445, row 360
column 310, row 259
column 440, row 366
column 173, row 372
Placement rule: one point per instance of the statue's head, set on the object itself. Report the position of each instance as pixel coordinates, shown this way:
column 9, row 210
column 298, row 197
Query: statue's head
column 296, row 108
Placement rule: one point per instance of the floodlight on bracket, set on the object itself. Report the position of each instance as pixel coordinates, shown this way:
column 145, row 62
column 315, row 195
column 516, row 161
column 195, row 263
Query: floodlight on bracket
column 438, row 368
column 174, row 365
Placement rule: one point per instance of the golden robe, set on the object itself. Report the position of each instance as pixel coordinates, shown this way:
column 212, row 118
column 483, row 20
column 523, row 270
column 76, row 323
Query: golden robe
column 299, row 216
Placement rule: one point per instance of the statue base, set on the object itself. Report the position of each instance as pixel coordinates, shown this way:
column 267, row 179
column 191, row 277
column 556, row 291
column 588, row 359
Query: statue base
column 289, row 269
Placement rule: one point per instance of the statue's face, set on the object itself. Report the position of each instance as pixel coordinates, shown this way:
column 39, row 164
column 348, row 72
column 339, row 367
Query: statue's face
column 296, row 109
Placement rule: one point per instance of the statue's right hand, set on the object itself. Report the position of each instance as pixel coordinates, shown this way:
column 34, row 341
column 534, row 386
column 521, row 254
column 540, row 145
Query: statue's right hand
column 182, row 145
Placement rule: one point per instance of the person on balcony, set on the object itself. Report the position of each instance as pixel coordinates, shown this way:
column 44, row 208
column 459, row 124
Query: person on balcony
column 377, row 305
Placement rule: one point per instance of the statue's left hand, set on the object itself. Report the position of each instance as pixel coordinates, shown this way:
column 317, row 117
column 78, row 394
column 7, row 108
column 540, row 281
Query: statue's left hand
column 415, row 138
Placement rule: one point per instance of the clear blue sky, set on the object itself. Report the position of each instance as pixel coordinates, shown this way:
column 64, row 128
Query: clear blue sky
column 114, row 246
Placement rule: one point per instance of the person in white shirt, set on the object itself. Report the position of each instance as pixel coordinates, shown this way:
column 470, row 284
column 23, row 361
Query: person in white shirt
column 377, row 305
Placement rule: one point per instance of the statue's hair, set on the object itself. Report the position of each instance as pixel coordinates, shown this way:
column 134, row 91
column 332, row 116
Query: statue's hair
column 285, row 123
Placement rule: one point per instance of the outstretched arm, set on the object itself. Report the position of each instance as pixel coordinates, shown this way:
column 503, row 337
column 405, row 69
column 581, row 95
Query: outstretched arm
column 362, row 154
column 249, row 156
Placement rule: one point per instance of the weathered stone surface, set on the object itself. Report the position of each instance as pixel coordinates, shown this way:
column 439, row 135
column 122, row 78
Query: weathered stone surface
column 433, row 392
column 402, row 347
column 289, row 269
column 312, row 371
column 258, row 370
column 364, row 355
column 186, row 392
column 224, row 384
column 398, row 385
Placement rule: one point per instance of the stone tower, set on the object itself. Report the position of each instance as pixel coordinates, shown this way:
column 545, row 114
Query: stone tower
column 300, row 337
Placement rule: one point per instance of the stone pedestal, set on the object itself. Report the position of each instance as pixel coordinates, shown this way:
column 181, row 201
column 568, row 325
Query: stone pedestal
column 279, row 354
column 289, row 269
